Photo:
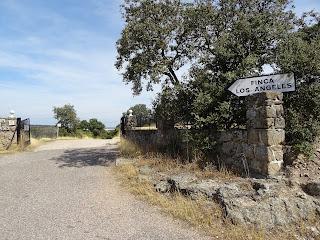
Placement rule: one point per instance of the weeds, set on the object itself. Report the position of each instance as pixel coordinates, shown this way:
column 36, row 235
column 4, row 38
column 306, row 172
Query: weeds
column 202, row 213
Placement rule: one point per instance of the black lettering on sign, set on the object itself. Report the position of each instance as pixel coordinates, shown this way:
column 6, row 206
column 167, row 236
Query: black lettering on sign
column 242, row 90
column 262, row 81
column 289, row 85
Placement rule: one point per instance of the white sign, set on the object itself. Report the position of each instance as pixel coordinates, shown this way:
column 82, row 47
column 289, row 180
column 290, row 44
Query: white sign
column 12, row 123
column 270, row 83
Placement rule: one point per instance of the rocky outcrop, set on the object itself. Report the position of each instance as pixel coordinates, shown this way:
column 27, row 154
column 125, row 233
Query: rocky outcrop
column 260, row 202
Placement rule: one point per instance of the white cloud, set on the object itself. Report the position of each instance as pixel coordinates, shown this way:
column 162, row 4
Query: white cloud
column 62, row 63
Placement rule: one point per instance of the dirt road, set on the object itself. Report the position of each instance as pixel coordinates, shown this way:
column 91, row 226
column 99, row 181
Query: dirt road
column 66, row 190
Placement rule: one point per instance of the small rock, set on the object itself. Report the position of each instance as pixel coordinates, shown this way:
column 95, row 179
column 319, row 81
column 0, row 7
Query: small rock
column 162, row 186
column 312, row 188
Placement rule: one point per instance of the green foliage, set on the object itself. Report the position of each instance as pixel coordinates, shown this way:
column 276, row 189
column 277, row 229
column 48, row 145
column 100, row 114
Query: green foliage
column 84, row 125
column 216, row 42
column 300, row 53
column 141, row 110
column 143, row 115
column 109, row 134
column 152, row 44
column 68, row 119
column 96, row 127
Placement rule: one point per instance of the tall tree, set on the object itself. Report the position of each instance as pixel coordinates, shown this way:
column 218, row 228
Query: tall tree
column 300, row 53
column 141, row 110
column 96, row 127
column 152, row 46
column 67, row 117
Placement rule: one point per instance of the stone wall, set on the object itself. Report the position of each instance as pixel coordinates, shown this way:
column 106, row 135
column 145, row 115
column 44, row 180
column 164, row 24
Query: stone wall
column 7, row 132
column 258, row 148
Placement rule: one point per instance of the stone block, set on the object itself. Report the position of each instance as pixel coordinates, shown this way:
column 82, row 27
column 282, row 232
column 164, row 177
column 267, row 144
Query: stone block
column 265, row 123
column 279, row 110
column 274, row 168
column 251, row 114
column 257, row 166
column 269, row 102
column 228, row 148
column 268, row 112
column 268, row 154
column 275, row 153
column 253, row 136
column 273, row 95
column 280, row 123
column 249, row 151
column 270, row 137
column 261, row 154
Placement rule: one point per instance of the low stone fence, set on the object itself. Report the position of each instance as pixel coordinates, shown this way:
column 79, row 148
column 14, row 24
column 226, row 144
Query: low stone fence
column 258, row 148
column 8, row 127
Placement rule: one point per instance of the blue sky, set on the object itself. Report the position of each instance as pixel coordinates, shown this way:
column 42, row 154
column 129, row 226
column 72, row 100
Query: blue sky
column 54, row 52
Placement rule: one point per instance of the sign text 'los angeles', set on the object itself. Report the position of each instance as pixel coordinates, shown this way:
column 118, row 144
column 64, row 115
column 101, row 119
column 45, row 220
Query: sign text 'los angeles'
column 270, row 83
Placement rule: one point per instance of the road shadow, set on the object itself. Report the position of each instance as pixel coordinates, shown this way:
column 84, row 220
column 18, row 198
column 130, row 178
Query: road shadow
column 87, row 157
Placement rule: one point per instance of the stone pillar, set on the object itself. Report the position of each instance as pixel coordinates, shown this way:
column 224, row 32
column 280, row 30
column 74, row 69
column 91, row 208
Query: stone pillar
column 7, row 132
column 131, row 122
column 266, row 135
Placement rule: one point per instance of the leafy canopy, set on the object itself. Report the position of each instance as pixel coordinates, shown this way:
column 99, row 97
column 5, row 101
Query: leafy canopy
column 152, row 44
column 67, row 117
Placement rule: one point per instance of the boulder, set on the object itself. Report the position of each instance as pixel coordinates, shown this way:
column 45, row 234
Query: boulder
column 312, row 188
column 269, row 212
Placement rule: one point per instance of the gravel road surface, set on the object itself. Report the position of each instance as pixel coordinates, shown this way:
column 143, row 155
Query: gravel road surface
column 66, row 190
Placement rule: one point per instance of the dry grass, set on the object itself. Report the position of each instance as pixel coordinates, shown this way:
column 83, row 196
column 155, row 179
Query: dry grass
column 163, row 163
column 201, row 213
column 34, row 144
column 128, row 149
column 204, row 214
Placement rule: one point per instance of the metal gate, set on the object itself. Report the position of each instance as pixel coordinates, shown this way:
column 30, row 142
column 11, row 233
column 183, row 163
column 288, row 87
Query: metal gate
column 23, row 132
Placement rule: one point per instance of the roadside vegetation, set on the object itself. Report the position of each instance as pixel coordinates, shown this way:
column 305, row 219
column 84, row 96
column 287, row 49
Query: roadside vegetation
column 71, row 126
column 201, row 47
column 202, row 213
column 35, row 142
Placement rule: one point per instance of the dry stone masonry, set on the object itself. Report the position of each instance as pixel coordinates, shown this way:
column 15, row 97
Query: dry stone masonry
column 256, row 149
column 266, row 135
column 260, row 146
column 7, row 132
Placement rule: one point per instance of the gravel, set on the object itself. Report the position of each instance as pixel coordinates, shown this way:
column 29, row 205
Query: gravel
column 65, row 190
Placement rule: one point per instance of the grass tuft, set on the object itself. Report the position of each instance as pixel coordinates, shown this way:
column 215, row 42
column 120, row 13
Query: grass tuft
column 202, row 213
